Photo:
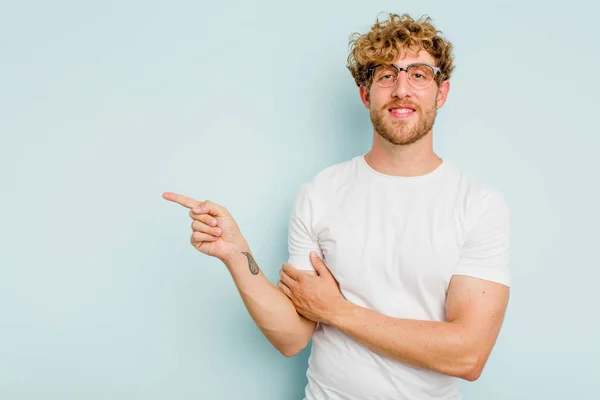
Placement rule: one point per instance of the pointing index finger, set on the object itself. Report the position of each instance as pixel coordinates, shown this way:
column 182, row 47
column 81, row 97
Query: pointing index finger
column 181, row 199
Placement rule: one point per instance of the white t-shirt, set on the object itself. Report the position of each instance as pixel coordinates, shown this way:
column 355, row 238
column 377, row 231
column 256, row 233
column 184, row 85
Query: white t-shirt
column 393, row 243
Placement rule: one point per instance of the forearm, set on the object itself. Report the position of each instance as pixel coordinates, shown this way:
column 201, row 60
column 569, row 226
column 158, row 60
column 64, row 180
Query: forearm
column 443, row 347
column 271, row 310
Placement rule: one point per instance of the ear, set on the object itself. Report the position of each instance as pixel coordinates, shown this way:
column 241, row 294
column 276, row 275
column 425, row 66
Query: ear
column 365, row 96
column 442, row 94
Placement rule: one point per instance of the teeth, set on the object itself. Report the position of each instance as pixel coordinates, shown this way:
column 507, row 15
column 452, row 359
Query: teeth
column 402, row 110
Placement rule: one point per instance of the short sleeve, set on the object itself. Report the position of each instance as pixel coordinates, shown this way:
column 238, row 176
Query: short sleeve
column 486, row 250
column 301, row 240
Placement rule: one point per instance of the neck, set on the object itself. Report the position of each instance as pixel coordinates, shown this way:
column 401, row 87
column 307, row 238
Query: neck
column 415, row 159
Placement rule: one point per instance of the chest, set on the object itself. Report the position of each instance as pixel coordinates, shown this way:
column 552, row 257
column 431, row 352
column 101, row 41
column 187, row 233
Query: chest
column 392, row 249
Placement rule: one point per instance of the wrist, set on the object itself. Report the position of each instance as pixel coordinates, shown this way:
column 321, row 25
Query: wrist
column 236, row 254
column 339, row 312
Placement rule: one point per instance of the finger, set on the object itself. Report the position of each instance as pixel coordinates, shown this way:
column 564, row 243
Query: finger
column 285, row 278
column 318, row 264
column 203, row 237
column 194, row 215
column 284, row 289
column 321, row 268
column 211, row 208
column 198, row 226
column 204, row 218
column 180, row 199
column 290, row 271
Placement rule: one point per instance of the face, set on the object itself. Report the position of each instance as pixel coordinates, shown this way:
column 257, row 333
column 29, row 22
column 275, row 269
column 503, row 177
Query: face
column 403, row 114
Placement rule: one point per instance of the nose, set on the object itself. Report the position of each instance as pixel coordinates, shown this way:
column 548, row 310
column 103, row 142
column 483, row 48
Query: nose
column 402, row 87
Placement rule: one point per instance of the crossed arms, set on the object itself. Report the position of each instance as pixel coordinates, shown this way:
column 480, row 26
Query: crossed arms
column 460, row 346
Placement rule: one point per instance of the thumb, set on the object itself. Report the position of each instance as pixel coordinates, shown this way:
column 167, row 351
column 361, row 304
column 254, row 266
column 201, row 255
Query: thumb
column 318, row 264
column 209, row 207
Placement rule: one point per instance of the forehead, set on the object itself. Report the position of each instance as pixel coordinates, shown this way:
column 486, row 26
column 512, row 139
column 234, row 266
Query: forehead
column 412, row 55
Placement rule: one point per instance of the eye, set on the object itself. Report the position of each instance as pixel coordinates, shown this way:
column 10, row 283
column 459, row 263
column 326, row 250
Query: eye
column 421, row 73
column 386, row 75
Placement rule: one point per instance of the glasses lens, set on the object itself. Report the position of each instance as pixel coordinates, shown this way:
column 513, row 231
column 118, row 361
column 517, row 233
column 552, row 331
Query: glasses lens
column 420, row 75
column 385, row 76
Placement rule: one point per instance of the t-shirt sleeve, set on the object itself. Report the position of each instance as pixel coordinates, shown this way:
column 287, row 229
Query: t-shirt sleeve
column 301, row 240
column 486, row 250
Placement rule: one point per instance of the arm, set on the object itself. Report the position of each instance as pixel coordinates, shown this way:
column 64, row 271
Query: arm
column 271, row 310
column 476, row 303
column 460, row 347
column 216, row 234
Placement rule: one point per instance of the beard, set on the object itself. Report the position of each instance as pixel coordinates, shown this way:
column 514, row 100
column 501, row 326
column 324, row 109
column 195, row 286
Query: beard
column 400, row 132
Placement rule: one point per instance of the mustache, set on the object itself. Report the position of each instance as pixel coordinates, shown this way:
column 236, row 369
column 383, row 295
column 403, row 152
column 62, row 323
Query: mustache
column 400, row 104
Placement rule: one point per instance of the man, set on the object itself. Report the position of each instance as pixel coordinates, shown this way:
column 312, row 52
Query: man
column 410, row 282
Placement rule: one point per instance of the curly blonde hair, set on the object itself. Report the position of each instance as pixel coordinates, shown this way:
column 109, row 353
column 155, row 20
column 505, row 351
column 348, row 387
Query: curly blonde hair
column 384, row 43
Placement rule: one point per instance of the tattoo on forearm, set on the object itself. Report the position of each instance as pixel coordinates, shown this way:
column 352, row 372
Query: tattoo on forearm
column 251, row 264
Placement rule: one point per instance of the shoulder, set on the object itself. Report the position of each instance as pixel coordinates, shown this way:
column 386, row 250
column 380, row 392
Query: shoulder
column 318, row 190
column 475, row 192
column 332, row 177
column 482, row 202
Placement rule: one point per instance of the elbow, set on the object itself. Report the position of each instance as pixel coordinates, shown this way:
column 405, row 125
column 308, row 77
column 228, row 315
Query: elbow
column 472, row 368
column 472, row 374
column 292, row 350
column 289, row 352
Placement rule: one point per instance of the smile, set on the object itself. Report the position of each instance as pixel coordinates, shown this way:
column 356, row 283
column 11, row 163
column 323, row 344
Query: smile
column 401, row 112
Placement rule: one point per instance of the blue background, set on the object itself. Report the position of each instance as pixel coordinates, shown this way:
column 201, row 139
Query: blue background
column 105, row 105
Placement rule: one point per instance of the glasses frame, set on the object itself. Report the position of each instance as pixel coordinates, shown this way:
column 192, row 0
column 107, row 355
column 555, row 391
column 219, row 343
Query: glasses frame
column 436, row 71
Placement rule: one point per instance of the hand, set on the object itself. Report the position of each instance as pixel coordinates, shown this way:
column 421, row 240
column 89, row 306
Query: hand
column 215, row 232
column 317, row 297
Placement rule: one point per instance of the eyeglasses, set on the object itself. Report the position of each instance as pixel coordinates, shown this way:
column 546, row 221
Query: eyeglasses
column 420, row 75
